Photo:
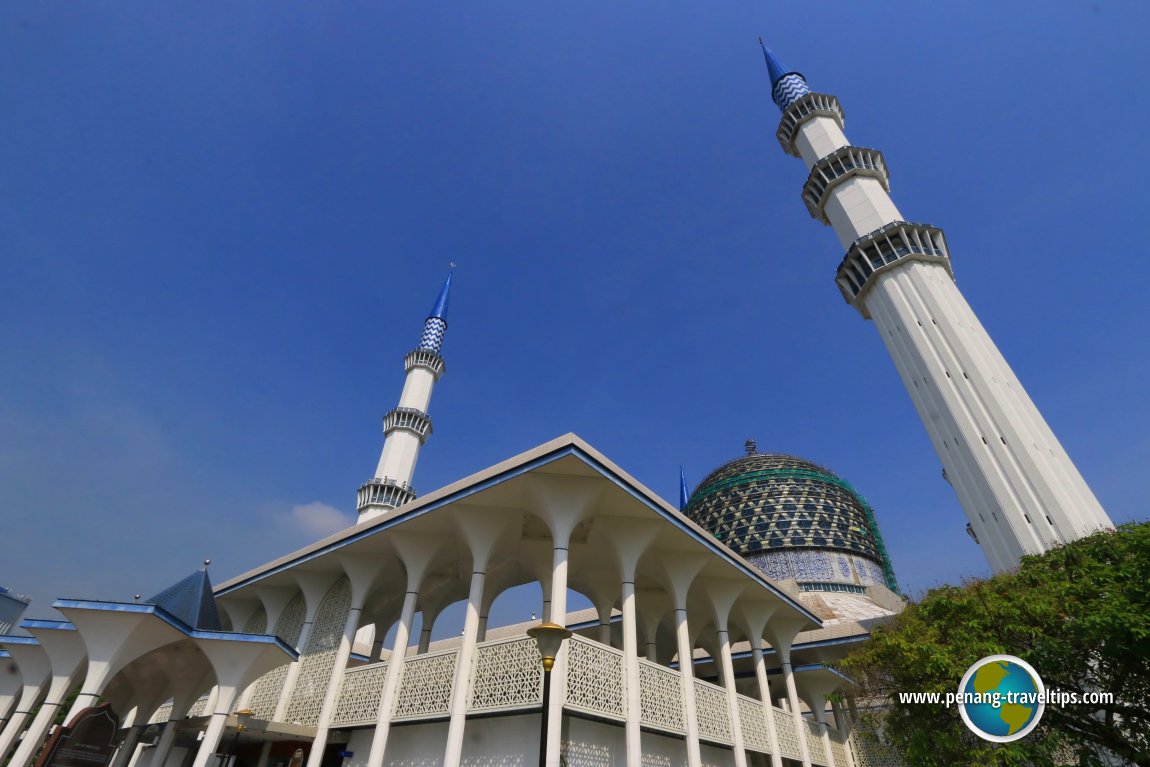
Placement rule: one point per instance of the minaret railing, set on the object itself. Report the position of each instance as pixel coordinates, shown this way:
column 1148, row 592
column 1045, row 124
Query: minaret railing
column 838, row 166
column 385, row 492
column 425, row 358
column 415, row 421
column 884, row 248
column 807, row 108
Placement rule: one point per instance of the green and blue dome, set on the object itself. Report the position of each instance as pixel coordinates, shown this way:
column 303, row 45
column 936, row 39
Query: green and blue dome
column 794, row 520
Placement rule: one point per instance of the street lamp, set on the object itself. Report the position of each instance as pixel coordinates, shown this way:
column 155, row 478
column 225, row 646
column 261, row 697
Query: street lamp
column 243, row 716
column 549, row 637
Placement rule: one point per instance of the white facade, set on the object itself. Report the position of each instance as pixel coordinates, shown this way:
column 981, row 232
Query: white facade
column 1018, row 487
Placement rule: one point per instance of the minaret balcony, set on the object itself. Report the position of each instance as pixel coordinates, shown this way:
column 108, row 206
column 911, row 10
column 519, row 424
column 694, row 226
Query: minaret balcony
column 425, row 358
column 410, row 419
column 385, row 493
column 807, row 108
column 838, row 166
column 886, row 248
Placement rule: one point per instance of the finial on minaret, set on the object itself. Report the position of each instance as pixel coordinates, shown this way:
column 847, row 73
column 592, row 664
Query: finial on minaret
column 787, row 87
column 436, row 325
column 750, row 447
column 684, row 494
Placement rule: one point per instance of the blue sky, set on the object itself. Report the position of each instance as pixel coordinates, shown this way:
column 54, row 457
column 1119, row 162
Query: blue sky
column 221, row 228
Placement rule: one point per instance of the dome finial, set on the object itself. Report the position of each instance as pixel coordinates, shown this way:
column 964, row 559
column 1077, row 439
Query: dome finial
column 751, row 447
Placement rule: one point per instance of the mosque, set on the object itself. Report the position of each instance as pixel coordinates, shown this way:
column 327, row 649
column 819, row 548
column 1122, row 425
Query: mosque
column 715, row 625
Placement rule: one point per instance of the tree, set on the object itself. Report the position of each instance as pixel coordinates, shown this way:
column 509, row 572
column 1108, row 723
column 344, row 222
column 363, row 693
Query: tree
column 1079, row 614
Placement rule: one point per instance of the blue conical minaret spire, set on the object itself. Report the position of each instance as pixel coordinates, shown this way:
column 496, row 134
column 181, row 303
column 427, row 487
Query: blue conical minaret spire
column 684, row 494
column 436, row 325
column 787, row 87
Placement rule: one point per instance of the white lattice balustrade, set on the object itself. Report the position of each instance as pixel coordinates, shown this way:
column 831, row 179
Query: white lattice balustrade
column 660, row 697
column 752, row 720
column 712, row 712
column 788, row 734
column 595, row 678
column 359, row 696
column 425, row 689
column 815, row 742
column 870, row 750
column 507, row 675
column 838, row 747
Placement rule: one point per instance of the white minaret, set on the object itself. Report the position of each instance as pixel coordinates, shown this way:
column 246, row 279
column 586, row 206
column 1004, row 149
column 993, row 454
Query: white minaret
column 1020, row 491
column 408, row 426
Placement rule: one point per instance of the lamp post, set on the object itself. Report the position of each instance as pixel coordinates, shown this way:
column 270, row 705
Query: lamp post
column 243, row 716
column 549, row 637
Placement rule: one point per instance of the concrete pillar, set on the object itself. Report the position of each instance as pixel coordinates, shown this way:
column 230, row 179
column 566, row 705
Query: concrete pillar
column 483, row 529
column 314, row 586
column 65, row 651
column 35, row 671
column 765, row 697
column 417, row 552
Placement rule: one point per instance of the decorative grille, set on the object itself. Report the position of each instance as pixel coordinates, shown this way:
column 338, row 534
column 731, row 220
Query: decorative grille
column 815, row 742
column 425, row 689
column 788, row 734
column 359, row 696
column 257, row 623
column 197, row 708
column 507, row 675
column 751, row 719
column 838, row 747
column 269, row 686
column 163, row 714
column 870, row 750
column 317, row 661
column 660, row 697
column 595, row 678
column 712, row 712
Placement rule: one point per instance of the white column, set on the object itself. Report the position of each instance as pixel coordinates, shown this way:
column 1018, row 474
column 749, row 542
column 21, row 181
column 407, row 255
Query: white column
column 765, row 697
column 63, row 678
column 391, row 680
column 331, row 697
column 631, row 668
column 559, row 671
column 784, row 655
column 732, row 696
column 462, row 672
column 687, row 678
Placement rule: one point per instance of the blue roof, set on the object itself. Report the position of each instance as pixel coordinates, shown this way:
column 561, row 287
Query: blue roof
column 774, row 67
column 440, row 309
column 191, row 601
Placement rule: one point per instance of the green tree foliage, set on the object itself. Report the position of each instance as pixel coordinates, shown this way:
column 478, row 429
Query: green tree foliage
column 1080, row 615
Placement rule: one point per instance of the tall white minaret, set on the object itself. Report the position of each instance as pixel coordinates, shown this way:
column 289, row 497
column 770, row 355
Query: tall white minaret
column 1020, row 491
column 408, row 426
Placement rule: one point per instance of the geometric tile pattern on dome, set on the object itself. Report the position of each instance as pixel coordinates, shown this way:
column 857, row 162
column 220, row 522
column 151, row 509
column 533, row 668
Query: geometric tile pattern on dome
column 772, row 502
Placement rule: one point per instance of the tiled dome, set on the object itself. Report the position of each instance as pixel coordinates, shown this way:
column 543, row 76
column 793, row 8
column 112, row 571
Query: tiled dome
column 772, row 502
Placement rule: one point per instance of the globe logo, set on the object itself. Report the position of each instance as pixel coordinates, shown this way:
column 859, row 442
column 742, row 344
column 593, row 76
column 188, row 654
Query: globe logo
column 1001, row 698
